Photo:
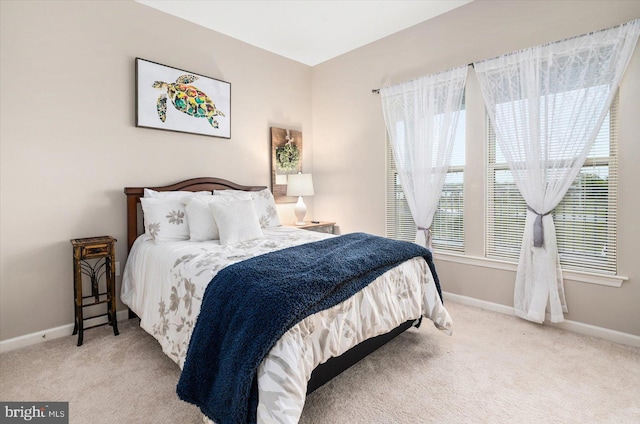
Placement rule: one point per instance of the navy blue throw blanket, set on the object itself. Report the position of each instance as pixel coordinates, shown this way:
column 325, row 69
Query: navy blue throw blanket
column 248, row 306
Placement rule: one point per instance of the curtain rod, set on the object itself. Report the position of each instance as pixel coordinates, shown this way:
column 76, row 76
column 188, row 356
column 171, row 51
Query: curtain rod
column 377, row 90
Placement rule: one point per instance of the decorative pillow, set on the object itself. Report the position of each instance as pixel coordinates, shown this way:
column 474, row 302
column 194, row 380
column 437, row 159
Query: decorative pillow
column 236, row 219
column 265, row 206
column 165, row 219
column 263, row 202
column 173, row 195
column 202, row 226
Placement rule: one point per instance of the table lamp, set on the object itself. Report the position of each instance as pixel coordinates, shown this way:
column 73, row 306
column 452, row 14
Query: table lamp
column 300, row 185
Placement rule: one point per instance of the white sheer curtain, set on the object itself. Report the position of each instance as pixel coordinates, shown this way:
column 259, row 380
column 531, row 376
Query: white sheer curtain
column 421, row 118
column 547, row 104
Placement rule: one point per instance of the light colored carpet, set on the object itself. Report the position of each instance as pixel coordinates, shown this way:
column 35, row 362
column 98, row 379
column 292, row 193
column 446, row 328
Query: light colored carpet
column 494, row 369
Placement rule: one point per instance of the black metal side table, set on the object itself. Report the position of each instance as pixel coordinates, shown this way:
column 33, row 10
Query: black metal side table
column 102, row 253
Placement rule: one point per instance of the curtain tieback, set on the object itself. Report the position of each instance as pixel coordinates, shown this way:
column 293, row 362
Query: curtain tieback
column 538, row 230
column 427, row 235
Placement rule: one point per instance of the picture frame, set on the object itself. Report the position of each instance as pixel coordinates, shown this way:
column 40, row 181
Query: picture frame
column 286, row 158
column 173, row 99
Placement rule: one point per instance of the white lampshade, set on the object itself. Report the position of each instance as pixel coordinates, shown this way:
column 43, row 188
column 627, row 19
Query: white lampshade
column 299, row 185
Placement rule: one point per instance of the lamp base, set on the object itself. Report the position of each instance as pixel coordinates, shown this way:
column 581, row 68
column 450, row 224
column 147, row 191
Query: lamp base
column 300, row 209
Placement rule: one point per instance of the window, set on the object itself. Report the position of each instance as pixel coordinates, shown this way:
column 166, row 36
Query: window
column 585, row 219
column 448, row 223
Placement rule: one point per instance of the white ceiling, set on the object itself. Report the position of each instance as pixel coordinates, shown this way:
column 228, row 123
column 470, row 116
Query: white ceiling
column 307, row 31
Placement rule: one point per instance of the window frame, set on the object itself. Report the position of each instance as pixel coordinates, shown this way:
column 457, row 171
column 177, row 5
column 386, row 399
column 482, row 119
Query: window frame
column 608, row 267
column 400, row 228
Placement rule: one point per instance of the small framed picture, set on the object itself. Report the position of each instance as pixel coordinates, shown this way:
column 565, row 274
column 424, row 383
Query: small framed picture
column 173, row 99
column 286, row 159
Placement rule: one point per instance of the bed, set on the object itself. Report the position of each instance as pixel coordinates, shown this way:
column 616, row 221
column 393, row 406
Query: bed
column 164, row 284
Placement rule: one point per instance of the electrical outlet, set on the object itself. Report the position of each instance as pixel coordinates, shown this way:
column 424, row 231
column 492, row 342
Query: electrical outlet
column 117, row 269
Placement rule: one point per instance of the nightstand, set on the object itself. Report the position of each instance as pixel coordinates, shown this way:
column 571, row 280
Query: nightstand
column 320, row 226
column 94, row 257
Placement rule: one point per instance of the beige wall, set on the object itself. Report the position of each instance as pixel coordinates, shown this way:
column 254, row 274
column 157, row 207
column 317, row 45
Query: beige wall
column 69, row 144
column 349, row 136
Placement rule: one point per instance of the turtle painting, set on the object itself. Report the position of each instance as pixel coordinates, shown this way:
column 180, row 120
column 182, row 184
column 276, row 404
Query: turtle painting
column 187, row 99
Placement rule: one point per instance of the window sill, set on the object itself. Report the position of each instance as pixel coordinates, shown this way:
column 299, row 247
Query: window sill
column 582, row 277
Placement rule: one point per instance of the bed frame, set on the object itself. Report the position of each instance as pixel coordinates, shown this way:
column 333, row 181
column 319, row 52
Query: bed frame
column 323, row 372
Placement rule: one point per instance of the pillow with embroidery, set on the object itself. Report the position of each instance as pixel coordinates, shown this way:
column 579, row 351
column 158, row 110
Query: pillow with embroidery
column 165, row 219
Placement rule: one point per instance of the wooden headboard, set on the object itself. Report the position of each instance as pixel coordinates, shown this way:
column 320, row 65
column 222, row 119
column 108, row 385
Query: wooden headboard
column 194, row 184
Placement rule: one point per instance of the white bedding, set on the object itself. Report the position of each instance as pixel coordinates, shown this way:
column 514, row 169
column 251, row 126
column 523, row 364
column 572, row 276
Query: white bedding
column 164, row 284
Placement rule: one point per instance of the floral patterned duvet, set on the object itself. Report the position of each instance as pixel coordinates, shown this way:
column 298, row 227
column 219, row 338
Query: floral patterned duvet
column 164, row 284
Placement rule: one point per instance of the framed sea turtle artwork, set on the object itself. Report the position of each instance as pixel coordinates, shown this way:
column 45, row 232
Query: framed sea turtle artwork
column 173, row 99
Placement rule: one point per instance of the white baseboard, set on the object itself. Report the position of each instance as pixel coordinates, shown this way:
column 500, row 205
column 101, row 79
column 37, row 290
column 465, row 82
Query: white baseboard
column 53, row 333
column 575, row 326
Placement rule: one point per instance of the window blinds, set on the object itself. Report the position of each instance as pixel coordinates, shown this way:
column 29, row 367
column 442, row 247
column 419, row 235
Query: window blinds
column 448, row 222
column 585, row 219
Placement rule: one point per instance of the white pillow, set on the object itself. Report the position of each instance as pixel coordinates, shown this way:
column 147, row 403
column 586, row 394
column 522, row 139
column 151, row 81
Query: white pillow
column 265, row 206
column 202, row 226
column 235, row 194
column 173, row 195
column 236, row 219
column 263, row 202
column 165, row 219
